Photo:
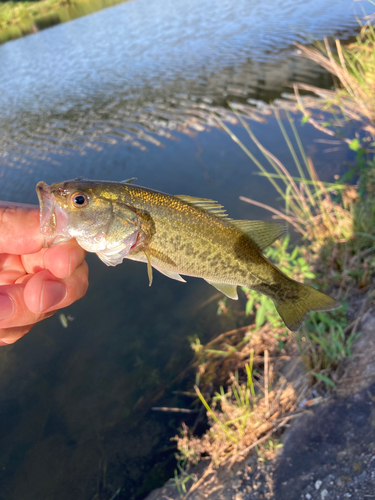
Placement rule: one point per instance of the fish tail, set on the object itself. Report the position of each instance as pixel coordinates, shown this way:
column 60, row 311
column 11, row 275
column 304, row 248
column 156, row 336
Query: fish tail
column 294, row 311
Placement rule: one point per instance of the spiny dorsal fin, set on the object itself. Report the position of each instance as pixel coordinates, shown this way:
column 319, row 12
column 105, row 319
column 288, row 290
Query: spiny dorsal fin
column 228, row 290
column 129, row 181
column 206, row 204
column 263, row 233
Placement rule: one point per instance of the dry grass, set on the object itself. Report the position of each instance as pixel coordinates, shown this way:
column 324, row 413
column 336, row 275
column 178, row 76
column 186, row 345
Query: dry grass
column 239, row 420
column 250, row 409
column 353, row 70
column 253, row 401
column 310, row 206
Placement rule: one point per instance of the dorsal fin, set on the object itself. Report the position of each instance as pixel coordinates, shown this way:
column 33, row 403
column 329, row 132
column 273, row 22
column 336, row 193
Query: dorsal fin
column 206, row 204
column 129, row 181
column 263, row 233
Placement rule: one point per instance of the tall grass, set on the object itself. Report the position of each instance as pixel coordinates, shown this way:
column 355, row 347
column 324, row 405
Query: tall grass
column 353, row 70
column 240, row 416
column 309, row 203
column 337, row 221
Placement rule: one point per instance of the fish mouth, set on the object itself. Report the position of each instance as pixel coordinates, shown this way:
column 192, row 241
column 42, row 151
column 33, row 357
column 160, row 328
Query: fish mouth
column 53, row 221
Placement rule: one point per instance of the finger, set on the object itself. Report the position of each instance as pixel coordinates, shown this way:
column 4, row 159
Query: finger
column 9, row 262
column 33, row 299
column 61, row 260
column 19, row 230
column 10, row 335
column 13, row 310
column 11, row 268
column 43, row 293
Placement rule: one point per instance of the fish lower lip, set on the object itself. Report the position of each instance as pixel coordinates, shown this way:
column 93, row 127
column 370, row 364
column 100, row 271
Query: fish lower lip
column 47, row 212
column 47, row 223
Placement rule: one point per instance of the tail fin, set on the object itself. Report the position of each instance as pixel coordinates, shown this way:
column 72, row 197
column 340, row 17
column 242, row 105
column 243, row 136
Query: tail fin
column 293, row 312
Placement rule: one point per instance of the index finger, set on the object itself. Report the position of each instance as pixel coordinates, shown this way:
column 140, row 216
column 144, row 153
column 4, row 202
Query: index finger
column 19, row 229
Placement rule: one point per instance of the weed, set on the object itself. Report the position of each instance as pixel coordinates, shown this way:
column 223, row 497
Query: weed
column 323, row 343
column 241, row 417
column 293, row 264
column 337, row 221
column 309, row 203
column 339, row 224
column 268, row 450
column 353, row 98
column 181, row 478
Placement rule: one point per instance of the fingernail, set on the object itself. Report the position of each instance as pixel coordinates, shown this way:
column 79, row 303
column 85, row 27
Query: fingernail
column 3, row 343
column 6, row 306
column 52, row 294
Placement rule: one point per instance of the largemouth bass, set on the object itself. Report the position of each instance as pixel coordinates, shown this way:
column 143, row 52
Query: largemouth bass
column 177, row 235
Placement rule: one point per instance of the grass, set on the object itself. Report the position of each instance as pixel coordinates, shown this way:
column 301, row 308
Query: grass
column 353, row 98
column 309, row 203
column 323, row 344
column 294, row 264
column 247, row 414
column 336, row 223
column 253, row 401
column 18, row 18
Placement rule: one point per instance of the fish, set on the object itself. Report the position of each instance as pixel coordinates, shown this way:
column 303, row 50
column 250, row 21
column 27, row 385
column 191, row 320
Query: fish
column 178, row 235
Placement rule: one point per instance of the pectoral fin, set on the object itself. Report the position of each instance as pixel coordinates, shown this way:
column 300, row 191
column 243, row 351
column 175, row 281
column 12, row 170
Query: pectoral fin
column 263, row 233
column 114, row 256
column 228, row 290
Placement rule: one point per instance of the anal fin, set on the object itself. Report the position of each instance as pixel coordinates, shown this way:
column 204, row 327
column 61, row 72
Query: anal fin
column 169, row 274
column 228, row 290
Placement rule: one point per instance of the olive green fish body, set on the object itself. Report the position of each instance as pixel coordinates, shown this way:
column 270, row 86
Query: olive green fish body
column 191, row 241
column 177, row 235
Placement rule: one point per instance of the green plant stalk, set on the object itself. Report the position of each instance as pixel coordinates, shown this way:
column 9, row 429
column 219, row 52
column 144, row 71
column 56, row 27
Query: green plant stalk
column 277, row 165
column 249, row 372
column 207, row 406
column 292, row 150
column 248, row 152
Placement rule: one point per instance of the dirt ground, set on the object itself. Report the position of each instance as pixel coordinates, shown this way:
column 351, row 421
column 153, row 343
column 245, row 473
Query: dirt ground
column 328, row 453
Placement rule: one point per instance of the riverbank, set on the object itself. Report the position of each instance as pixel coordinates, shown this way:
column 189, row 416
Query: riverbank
column 18, row 19
column 305, row 426
column 327, row 453
column 245, row 384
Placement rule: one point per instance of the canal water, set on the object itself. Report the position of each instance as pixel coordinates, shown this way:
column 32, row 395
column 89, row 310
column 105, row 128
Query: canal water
column 129, row 92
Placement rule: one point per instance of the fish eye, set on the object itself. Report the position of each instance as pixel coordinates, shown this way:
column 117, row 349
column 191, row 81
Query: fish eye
column 79, row 200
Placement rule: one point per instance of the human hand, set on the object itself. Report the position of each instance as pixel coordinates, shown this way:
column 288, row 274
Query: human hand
column 34, row 281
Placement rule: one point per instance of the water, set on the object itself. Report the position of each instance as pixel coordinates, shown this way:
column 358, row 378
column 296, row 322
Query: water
column 128, row 92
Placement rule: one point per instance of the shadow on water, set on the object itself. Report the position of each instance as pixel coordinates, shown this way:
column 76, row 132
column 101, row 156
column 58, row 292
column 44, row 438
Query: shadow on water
column 128, row 92
column 86, row 392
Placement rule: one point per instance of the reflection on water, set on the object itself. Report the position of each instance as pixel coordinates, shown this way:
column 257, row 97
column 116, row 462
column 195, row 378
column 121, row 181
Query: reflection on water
column 128, row 92
column 50, row 16
column 141, row 70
